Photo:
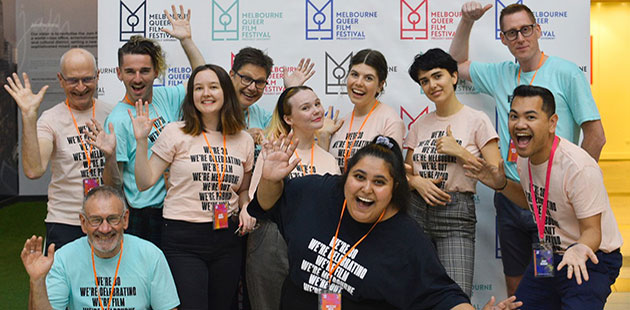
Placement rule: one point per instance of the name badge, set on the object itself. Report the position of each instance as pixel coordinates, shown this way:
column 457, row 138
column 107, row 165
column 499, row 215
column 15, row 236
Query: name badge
column 329, row 301
column 89, row 184
column 220, row 216
column 512, row 155
column 543, row 260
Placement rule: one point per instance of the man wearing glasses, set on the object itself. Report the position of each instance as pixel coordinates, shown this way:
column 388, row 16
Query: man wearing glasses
column 58, row 138
column 105, row 270
column 249, row 73
column 575, row 107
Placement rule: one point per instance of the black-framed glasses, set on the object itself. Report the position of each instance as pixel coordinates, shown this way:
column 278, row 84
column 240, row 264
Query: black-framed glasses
column 526, row 31
column 96, row 221
column 248, row 80
column 75, row 81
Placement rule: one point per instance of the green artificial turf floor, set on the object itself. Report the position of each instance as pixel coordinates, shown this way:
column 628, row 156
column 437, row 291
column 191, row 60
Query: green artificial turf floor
column 18, row 221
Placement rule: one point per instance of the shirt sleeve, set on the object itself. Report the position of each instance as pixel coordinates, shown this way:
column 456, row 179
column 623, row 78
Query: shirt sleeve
column 164, row 147
column 395, row 128
column 44, row 130
column 484, row 132
column 163, row 291
column 57, row 285
column 249, row 161
column 588, row 198
column 580, row 99
column 412, row 137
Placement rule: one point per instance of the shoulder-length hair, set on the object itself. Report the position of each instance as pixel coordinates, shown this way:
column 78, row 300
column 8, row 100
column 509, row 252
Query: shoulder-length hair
column 231, row 118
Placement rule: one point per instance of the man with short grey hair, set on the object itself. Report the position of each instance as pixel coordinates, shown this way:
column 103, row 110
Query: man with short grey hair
column 105, row 269
column 58, row 138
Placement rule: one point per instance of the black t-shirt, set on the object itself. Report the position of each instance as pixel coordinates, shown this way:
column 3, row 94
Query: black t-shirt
column 395, row 266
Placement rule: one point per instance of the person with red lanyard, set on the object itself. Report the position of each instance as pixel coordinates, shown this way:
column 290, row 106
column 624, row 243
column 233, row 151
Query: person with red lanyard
column 59, row 138
column 298, row 110
column 106, row 269
column 576, row 257
column 140, row 62
column 210, row 159
column 350, row 241
column 369, row 117
column 576, row 109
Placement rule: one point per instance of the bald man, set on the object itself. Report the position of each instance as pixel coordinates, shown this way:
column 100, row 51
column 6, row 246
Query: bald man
column 58, row 138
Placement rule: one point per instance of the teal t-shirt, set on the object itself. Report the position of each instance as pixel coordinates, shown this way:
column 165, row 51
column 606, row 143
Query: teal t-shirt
column 257, row 117
column 165, row 106
column 572, row 92
column 144, row 279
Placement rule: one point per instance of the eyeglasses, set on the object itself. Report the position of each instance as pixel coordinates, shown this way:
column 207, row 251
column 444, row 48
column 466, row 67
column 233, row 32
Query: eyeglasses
column 246, row 81
column 75, row 81
column 96, row 221
column 526, row 31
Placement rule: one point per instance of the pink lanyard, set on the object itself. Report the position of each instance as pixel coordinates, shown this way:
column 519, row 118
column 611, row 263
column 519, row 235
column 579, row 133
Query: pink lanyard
column 540, row 219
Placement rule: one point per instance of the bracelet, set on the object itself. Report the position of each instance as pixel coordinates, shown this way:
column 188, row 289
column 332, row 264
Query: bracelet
column 572, row 244
column 502, row 187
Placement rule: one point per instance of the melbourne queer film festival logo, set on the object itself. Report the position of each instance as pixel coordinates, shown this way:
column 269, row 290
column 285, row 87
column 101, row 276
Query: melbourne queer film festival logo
column 133, row 19
column 336, row 74
column 414, row 19
column 319, row 19
column 225, row 20
column 498, row 7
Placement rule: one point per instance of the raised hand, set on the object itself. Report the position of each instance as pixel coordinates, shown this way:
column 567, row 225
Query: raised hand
column 181, row 26
column 36, row 264
column 575, row 259
column 490, row 175
column 448, row 145
column 473, row 10
column 99, row 138
column 27, row 101
column 277, row 154
column 331, row 122
column 508, row 303
column 302, row 73
column 141, row 123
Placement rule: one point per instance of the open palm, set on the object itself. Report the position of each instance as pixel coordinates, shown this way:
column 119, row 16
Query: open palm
column 277, row 154
column 26, row 100
column 142, row 123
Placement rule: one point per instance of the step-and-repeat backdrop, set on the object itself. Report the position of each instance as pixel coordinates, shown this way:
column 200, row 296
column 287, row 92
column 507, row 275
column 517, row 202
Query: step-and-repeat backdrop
column 329, row 32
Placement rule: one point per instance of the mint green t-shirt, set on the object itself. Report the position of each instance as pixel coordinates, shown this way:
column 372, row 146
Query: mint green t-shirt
column 572, row 93
column 165, row 106
column 144, row 279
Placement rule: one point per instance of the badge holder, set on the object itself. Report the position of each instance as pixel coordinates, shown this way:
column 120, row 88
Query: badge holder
column 89, row 184
column 329, row 300
column 220, row 216
column 543, row 260
column 512, row 155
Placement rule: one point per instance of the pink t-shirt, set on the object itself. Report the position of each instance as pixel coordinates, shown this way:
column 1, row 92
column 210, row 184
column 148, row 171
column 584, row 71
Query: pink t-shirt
column 68, row 161
column 193, row 180
column 323, row 163
column 576, row 191
column 382, row 121
column 471, row 129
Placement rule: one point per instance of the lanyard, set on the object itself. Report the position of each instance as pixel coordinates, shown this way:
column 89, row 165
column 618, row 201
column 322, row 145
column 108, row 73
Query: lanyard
column 311, row 164
column 111, row 294
column 216, row 164
column 347, row 150
column 332, row 252
column 518, row 82
column 540, row 220
column 159, row 118
column 87, row 154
